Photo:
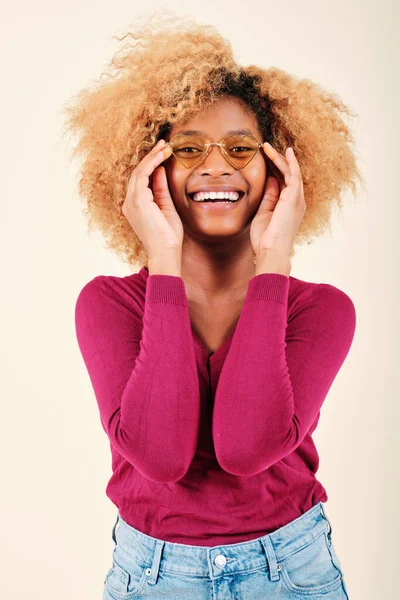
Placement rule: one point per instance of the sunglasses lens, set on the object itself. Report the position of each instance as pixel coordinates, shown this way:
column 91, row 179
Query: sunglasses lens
column 189, row 150
column 240, row 149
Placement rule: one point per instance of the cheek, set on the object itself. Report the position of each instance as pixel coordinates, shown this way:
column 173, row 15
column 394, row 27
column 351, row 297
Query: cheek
column 256, row 175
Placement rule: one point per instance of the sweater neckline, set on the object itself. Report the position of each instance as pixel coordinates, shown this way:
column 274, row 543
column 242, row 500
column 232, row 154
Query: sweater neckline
column 211, row 356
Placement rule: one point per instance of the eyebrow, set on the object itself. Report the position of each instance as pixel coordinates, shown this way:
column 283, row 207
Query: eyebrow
column 230, row 132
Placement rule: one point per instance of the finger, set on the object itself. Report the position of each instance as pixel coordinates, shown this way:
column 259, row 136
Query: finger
column 293, row 164
column 159, row 146
column 146, row 168
column 278, row 159
column 152, row 159
column 149, row 156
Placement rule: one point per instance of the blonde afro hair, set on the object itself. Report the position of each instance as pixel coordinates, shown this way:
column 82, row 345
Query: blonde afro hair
column 172, row 69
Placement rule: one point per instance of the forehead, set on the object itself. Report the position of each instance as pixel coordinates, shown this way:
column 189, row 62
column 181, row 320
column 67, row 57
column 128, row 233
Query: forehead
column 223, row 117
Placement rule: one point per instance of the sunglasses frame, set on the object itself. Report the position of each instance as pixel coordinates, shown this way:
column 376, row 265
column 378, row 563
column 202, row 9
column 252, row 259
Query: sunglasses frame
column 208, row 145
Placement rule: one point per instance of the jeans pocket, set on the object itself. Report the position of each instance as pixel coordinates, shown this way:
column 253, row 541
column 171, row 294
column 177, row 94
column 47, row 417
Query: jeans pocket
column 126, row 578
column 336, row 561
column 311, row 569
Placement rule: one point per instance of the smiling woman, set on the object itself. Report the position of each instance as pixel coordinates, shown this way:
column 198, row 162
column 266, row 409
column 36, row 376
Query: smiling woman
column 210, row 373
column 155, row 86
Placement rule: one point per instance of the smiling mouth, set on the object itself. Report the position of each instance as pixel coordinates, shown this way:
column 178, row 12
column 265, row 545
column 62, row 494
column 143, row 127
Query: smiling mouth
column 226, row 200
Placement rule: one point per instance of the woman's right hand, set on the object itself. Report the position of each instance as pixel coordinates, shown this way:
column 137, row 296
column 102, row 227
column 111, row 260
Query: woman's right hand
column 153, row 218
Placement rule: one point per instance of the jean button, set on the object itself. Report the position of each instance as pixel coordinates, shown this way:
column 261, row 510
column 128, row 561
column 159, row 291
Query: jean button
column 220, row 561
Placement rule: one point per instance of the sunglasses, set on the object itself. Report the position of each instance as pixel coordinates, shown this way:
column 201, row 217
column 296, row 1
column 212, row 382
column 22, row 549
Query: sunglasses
column 191, row 150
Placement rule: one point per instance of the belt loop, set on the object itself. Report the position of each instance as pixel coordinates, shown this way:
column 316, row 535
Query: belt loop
column 274, row 568
column 114, row 528
column 155, row 563
column 323, row 513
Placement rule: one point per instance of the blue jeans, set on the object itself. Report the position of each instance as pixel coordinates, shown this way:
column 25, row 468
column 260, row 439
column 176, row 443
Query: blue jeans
column 297, row 560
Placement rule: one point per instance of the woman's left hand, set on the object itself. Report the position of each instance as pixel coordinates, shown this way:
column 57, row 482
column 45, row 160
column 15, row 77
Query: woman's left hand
column 275, row 224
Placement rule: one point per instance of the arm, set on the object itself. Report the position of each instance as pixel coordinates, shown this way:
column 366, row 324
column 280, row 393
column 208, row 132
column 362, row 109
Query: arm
column 277, row 373
column 144, row 374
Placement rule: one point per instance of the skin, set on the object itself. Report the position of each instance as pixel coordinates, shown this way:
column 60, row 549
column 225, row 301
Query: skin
column 217, row 253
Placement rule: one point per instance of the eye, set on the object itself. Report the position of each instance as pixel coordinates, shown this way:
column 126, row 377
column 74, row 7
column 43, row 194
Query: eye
column 187, row 150
column 241, row 149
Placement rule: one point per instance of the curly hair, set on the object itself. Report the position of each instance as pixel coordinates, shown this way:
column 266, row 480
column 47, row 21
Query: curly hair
column 171, row 71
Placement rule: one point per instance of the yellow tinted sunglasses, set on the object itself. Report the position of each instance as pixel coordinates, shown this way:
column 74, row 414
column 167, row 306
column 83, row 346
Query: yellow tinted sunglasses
column 191, row 150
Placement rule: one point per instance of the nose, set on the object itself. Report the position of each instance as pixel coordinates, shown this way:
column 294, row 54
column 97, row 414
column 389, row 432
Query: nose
column 215, row 162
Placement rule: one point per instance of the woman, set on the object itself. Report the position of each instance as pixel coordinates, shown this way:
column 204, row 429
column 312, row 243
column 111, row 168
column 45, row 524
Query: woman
column 210, row 365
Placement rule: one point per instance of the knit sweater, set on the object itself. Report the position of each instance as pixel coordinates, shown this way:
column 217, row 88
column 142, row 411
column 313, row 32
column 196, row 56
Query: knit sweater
column 212, row 448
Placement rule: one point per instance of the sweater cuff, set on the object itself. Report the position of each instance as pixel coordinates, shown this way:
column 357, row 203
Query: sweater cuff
column 166, row 289
column 269, row 286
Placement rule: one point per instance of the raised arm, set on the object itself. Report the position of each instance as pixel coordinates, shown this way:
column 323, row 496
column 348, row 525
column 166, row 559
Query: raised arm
column 143, row 372
column 277, row 374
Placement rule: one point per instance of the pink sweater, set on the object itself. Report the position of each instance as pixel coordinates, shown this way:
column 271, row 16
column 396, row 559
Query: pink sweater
column 212, row 449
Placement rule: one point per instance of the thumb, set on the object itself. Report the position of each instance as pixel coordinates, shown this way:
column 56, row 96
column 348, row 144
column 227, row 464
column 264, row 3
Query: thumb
column 162, row 197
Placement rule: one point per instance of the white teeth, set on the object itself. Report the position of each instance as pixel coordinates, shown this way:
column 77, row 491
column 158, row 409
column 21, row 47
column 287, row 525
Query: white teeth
column 201, row 196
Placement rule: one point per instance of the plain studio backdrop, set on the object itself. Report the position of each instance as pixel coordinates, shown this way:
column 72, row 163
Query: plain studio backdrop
column 56, row 519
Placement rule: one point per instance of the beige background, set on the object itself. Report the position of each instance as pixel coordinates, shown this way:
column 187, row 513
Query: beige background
column 56, row 520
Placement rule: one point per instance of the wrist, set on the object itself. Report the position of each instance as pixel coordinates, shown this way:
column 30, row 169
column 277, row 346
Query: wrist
column 168, row 264
column 269, row 261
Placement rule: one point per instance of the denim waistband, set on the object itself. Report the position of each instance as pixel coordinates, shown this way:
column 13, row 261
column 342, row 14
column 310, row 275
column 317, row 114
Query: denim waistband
column 266, row 550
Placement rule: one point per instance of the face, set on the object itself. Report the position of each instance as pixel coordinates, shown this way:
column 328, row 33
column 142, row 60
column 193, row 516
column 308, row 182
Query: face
column 208, row 221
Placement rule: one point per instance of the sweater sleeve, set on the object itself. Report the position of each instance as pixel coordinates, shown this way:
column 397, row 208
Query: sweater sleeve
column 143, row 372
column 278, row 371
